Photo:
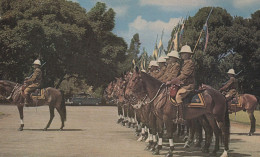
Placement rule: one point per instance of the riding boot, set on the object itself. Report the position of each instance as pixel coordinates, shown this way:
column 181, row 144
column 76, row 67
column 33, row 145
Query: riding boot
column 27, row 100
column 181, row 114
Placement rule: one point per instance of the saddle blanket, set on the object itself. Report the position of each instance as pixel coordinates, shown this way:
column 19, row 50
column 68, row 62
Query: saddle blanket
column 38, row 94
column 235, row 102
column 196, row 101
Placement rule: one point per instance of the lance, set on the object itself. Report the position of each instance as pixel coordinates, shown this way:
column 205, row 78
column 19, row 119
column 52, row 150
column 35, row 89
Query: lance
column 202, row 30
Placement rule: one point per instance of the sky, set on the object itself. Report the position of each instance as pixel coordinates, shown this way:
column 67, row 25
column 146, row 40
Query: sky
column 150, row 17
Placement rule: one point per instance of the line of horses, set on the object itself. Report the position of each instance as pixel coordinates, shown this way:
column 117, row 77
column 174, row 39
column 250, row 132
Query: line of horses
column 144, row 101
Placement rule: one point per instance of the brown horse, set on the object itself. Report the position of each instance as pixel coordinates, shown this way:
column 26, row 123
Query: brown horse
column 53, row 98
column 215, row 111
column 248, row 103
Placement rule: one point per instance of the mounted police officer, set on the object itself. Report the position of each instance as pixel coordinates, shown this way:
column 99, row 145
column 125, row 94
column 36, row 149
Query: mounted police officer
column 173, row 67
column 33, row 83
column 154, row 68
column 230, row 87
column 162, row 66
column 187, row 78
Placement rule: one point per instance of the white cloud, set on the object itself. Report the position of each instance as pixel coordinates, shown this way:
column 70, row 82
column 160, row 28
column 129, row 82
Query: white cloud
column 245, row 3
column 120, row 10
column 176, row 5
column 148, row 30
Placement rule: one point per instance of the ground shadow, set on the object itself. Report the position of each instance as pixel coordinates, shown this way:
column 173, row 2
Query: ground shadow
column 245, row 134
column 53, row 130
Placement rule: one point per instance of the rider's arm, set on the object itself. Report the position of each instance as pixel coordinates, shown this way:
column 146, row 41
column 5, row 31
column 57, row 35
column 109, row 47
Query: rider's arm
column 229, row 83
column 187, row 70
column 36, row 73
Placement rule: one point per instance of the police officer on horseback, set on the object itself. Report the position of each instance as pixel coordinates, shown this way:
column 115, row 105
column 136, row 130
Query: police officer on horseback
column 230, row 88
column 33, row 82
column 188, row 81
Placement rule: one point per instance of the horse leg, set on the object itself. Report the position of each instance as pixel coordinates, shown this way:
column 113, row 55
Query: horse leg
column 51, row 118
column 20, row 109
column 216, row 131
column 159, row 125
column 169, row 128
column 208, row 134
column 252, row 121
column 191, row 134
column 61, row 117
column 198, row 133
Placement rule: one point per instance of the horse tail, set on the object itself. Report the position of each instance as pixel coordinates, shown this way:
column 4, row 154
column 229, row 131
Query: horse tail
column 258, row 100
column 227, row 127
column 63, row 106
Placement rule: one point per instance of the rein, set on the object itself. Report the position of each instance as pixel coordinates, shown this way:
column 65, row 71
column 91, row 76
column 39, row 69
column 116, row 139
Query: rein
column 156, row 95
column 11, row 94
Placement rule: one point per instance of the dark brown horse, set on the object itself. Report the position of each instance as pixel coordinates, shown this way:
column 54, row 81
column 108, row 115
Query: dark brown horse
column 248, row 102
column 215, row 111
column 53, row 98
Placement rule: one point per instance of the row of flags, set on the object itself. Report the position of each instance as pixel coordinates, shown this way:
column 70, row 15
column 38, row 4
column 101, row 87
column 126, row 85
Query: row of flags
column 176, row 41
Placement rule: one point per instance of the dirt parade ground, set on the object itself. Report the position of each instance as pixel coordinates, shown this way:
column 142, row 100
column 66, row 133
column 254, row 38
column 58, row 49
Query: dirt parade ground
column 91, row 131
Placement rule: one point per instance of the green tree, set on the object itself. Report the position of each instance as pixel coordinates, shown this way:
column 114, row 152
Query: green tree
column 62, row 34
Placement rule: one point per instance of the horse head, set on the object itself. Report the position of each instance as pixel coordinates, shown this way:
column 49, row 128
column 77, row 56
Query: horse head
column 135, row 88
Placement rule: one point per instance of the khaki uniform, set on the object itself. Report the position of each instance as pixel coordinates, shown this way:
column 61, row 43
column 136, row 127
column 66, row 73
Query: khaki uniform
column 187, row 77
column 34, row 82
column 230, row 87
column 172, row 71
column 161, row 73
column 154, row 73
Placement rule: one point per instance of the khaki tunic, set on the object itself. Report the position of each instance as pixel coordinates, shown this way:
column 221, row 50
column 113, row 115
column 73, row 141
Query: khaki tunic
column 172, row 71
column 161, row 73
column 188, row 78
column 34, row 82
column 230, row 87
column 154, row 73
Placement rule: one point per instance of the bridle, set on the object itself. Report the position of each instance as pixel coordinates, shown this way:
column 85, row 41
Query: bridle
column 11, row 94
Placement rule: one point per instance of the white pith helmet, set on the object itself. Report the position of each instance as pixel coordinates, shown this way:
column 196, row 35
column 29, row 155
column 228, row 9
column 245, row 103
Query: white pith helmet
column 231, row 71
column 174, row 53
column 161, row 60
column 37, row 62
column 153, row 63
column 166, row 57
column 186, row 48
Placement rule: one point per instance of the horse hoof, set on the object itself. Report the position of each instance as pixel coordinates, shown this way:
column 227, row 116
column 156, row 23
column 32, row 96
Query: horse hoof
column 250, row 134
column 147, row 147
column 20, row 129
column 60, row 129
column 45, row 129
column 156, row 152
column 152, row 149
column 169, row 154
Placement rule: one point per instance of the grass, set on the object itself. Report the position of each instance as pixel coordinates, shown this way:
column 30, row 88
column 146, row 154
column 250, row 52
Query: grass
column 242, row 117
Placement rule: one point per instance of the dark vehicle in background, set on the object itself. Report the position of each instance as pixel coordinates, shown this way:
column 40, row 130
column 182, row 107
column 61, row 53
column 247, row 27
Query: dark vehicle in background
column 83, row 99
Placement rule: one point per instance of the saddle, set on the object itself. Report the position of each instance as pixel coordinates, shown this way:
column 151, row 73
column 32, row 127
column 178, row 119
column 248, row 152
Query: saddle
column 235, row 102
column 38, row 94
column 194, row 99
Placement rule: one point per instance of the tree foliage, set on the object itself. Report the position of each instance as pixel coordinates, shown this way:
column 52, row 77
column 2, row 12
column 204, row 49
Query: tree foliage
column 62, row 34
column 233, row 43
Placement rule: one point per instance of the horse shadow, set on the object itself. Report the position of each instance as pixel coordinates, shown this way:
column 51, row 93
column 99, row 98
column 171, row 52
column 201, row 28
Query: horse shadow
column 245, row 134
column 53, row 130
column 197, row 152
